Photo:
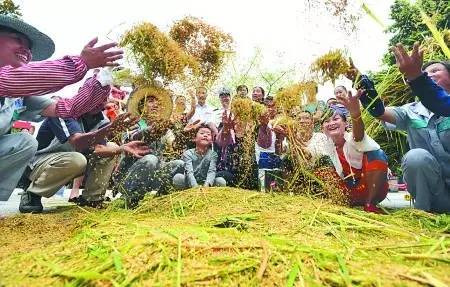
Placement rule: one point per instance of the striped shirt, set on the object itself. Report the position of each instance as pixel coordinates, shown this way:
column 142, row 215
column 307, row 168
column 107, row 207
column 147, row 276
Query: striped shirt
column 40, row 78
column 91, row 98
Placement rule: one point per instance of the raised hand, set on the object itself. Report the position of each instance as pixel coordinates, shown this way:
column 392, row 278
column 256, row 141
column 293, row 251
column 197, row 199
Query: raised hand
column 192, row 126
column 96, row 57
column 227, row 121
column 137, row 149
column 351, row 103
column 264, row 119
column 352, row 73
column 409, row 65
column 280, row 132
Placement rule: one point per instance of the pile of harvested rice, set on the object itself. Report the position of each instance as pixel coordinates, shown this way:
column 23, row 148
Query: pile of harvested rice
column 229, row 237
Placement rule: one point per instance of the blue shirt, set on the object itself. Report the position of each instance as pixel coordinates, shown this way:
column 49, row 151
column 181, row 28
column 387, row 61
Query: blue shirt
column 432, row 96
column 54, row 133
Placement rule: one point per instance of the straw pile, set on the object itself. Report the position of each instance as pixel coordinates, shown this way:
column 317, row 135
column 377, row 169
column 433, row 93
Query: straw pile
column 229, row 237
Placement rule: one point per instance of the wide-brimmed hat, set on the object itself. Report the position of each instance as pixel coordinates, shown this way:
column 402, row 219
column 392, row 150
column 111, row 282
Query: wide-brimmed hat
column 42, row 46
column 137, row 101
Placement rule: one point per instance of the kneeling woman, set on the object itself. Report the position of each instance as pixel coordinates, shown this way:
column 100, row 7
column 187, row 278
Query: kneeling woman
column 357, row 158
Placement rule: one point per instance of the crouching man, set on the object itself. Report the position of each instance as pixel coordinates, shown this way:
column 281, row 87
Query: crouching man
column 69, row 148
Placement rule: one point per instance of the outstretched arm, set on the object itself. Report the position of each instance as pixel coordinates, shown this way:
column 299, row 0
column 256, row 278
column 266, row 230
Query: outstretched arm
column 432, row 96
column 91, row 97
column 40, row 78
column 83, row 141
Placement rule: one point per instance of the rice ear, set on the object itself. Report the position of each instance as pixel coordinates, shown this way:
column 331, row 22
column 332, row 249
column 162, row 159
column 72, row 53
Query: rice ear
column 437, row 35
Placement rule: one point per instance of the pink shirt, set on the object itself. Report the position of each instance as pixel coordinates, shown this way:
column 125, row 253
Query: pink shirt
column 40, row 78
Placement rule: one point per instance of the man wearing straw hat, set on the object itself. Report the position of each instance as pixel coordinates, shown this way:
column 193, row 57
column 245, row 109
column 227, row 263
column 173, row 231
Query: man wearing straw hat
column 154, row 171
column 21, row 81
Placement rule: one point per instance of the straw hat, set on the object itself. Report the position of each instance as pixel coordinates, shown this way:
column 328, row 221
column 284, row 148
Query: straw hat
column 42, row 46
column 136, row 104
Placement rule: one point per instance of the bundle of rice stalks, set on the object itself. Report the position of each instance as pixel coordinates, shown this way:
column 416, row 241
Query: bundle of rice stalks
column 207, row 44
column 308, row 175
column 246, row 110
column 157, row 55
column 295, row 95
column 226, row 237
column 438, row 37
column 330, row 66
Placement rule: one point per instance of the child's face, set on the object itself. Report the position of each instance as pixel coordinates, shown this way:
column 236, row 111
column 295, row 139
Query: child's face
column 203, row 137
column 242, row 91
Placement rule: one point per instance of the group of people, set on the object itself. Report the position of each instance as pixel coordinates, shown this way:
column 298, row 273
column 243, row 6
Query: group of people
column 155, row 142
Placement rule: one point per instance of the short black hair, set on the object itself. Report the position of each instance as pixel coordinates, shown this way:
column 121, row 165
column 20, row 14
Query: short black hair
column 262, row 90
column 446, row 64
column 241, row 87
column 204, row 126
column 306, row 111
column 331, row 99
column 340, row 86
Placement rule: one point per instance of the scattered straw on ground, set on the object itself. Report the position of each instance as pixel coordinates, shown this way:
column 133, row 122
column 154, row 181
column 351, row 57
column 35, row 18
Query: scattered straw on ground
column 226, row 236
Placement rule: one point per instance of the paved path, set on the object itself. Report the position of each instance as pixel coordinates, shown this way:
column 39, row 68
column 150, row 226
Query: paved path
column 11, row 206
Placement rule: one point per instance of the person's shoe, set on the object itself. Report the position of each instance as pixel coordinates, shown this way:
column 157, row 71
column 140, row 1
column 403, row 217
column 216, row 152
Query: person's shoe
column 81, row 201
column 370, row 207
column 30, row 203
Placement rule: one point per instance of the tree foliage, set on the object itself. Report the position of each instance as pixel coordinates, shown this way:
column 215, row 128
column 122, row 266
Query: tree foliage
column 7, row 7
column 408, row 26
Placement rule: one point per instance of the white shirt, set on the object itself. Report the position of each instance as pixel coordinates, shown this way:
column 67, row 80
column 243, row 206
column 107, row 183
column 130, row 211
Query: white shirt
column 203, row 113
column 353, row 151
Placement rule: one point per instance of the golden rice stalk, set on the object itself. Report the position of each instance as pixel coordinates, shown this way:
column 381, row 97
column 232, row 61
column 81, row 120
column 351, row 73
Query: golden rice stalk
column 246, row 110
column 207, row 44
column 372, row 15
column 158, row 56
column 296, row 95
column 437, row 35
column 330, row 66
